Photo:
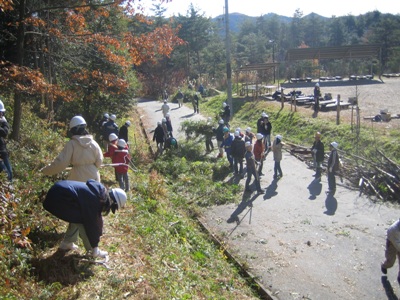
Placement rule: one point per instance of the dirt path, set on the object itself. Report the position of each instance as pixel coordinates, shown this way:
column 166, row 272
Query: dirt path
column 298, row 242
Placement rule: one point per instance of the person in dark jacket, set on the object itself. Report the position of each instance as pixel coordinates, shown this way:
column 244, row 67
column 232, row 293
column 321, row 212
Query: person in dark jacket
column 251, row 170
column 4, row 130
column 318, row 153
column 268, row 129
column 109, row 127
column 219, row 134
column 237, row 151
column 123, row 131
column 159, row 137
column 317, row 95
column 226, row 115
column 168, row 123
column 83, row 204
column 333, row 167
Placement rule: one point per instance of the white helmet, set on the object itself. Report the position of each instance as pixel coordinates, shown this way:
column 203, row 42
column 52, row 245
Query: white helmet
column 119, row 196
column 2, row 108
column 279, row 137
column 106, row 115
column 128, row 123
column 121, row 143
column 221, row 122
column 158, row 123
column 237, row 133
column 77, row 121
column 264, row 115
column 164, row 120
column 224, row 104
column 112, row 137
column 317, row 84
column 334, row 145
column 259, row 136
column 247, row 144
column 248, row 129
column 113, row 117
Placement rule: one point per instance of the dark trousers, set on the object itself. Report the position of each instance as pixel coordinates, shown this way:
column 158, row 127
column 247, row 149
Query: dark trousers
column 238, row 165
column 251, row 173
column 277, row 169
column 331, row 181
column 209, row 144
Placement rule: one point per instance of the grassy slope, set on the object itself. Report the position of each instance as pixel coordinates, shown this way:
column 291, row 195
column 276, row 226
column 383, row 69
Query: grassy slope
column 156, row 249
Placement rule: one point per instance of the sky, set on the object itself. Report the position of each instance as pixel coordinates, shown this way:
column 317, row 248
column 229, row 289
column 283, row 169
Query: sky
column 256, row 8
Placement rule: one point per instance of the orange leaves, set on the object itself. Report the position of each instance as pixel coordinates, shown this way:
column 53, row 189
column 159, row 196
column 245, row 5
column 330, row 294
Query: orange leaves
column 76, row 23
column 6, row 5
column 147, row 47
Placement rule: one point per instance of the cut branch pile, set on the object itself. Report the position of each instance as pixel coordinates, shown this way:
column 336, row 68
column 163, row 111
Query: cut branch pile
column 378, row 176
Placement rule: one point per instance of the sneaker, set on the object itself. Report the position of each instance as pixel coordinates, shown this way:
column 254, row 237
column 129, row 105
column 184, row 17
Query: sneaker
column 68, row 246
column 384, row 270
column 99, row 253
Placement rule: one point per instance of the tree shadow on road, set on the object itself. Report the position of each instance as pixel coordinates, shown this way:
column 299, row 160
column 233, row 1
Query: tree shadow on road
column 331, row 205
column 187, row 116
column 315, row 188
column 270, row 191
column 388, row 288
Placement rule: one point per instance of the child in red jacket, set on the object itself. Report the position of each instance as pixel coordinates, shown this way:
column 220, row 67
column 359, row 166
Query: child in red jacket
column 121, row 157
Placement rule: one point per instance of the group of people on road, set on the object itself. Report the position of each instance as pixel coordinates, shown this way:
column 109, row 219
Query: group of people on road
column 163, row 133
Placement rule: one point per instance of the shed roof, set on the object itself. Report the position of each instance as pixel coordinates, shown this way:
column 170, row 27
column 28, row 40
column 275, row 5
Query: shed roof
column 342, row 52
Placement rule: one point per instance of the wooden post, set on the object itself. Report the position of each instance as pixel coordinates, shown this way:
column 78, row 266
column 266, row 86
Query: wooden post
column 338, row 110
column 352, row 111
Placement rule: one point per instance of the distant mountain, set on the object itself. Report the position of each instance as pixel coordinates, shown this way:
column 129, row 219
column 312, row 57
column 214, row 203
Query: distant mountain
column 237, row 19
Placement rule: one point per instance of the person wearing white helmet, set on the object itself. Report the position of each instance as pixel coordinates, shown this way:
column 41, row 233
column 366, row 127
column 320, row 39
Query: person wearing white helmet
column 237, row 151
column 226, row 114
column 109, row 127
column 5, row 163
column 251, row 167
column 219, row 134
column 123, row 131
column 168, row 123
column 112, row 147
column 317, row 96
column 121, row 158
column 83, row 204
column 159, row 137
column 318, row 153
column 165, row 108
column 180, row 97
column 226, row 145
column 259, row 153
column 277, row 154
column 81, row 151
column 249, row 136
column 333, row 167
column 261, row 124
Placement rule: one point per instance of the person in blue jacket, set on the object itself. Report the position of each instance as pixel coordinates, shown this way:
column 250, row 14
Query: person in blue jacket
column 83, row 204
column 226, row 144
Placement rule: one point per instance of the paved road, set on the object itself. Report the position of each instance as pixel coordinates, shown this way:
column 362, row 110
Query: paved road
column 300, row 243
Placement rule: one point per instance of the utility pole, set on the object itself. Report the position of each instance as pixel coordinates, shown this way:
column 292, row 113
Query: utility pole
column 228, row 57
column 273, row 56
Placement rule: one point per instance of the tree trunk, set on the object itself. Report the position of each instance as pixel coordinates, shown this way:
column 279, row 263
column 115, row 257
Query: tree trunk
column 20, row 60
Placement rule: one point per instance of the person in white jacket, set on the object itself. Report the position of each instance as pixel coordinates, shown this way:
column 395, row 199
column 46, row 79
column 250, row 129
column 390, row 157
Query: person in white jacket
column 85, row 156
column 81, row 151
column 392, row 248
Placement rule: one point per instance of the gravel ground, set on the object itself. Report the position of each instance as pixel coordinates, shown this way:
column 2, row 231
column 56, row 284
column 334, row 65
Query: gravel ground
column 298, row 242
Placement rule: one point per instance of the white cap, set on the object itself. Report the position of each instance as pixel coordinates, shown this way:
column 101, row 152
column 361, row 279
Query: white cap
column 237, row 133
column 334, row 145
column 248, row 129
column 113, row 117
column 164, row 120
column 279, row 137
column 119, row 196
column 121, row 143
column 112, row 137
column 317, row 84
column 128, row 123
column 224, row 104
column 247, row 144
column 75, row 121
column 221, row 121
column 159, row 123
column 264, row 115
column 259, row 136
